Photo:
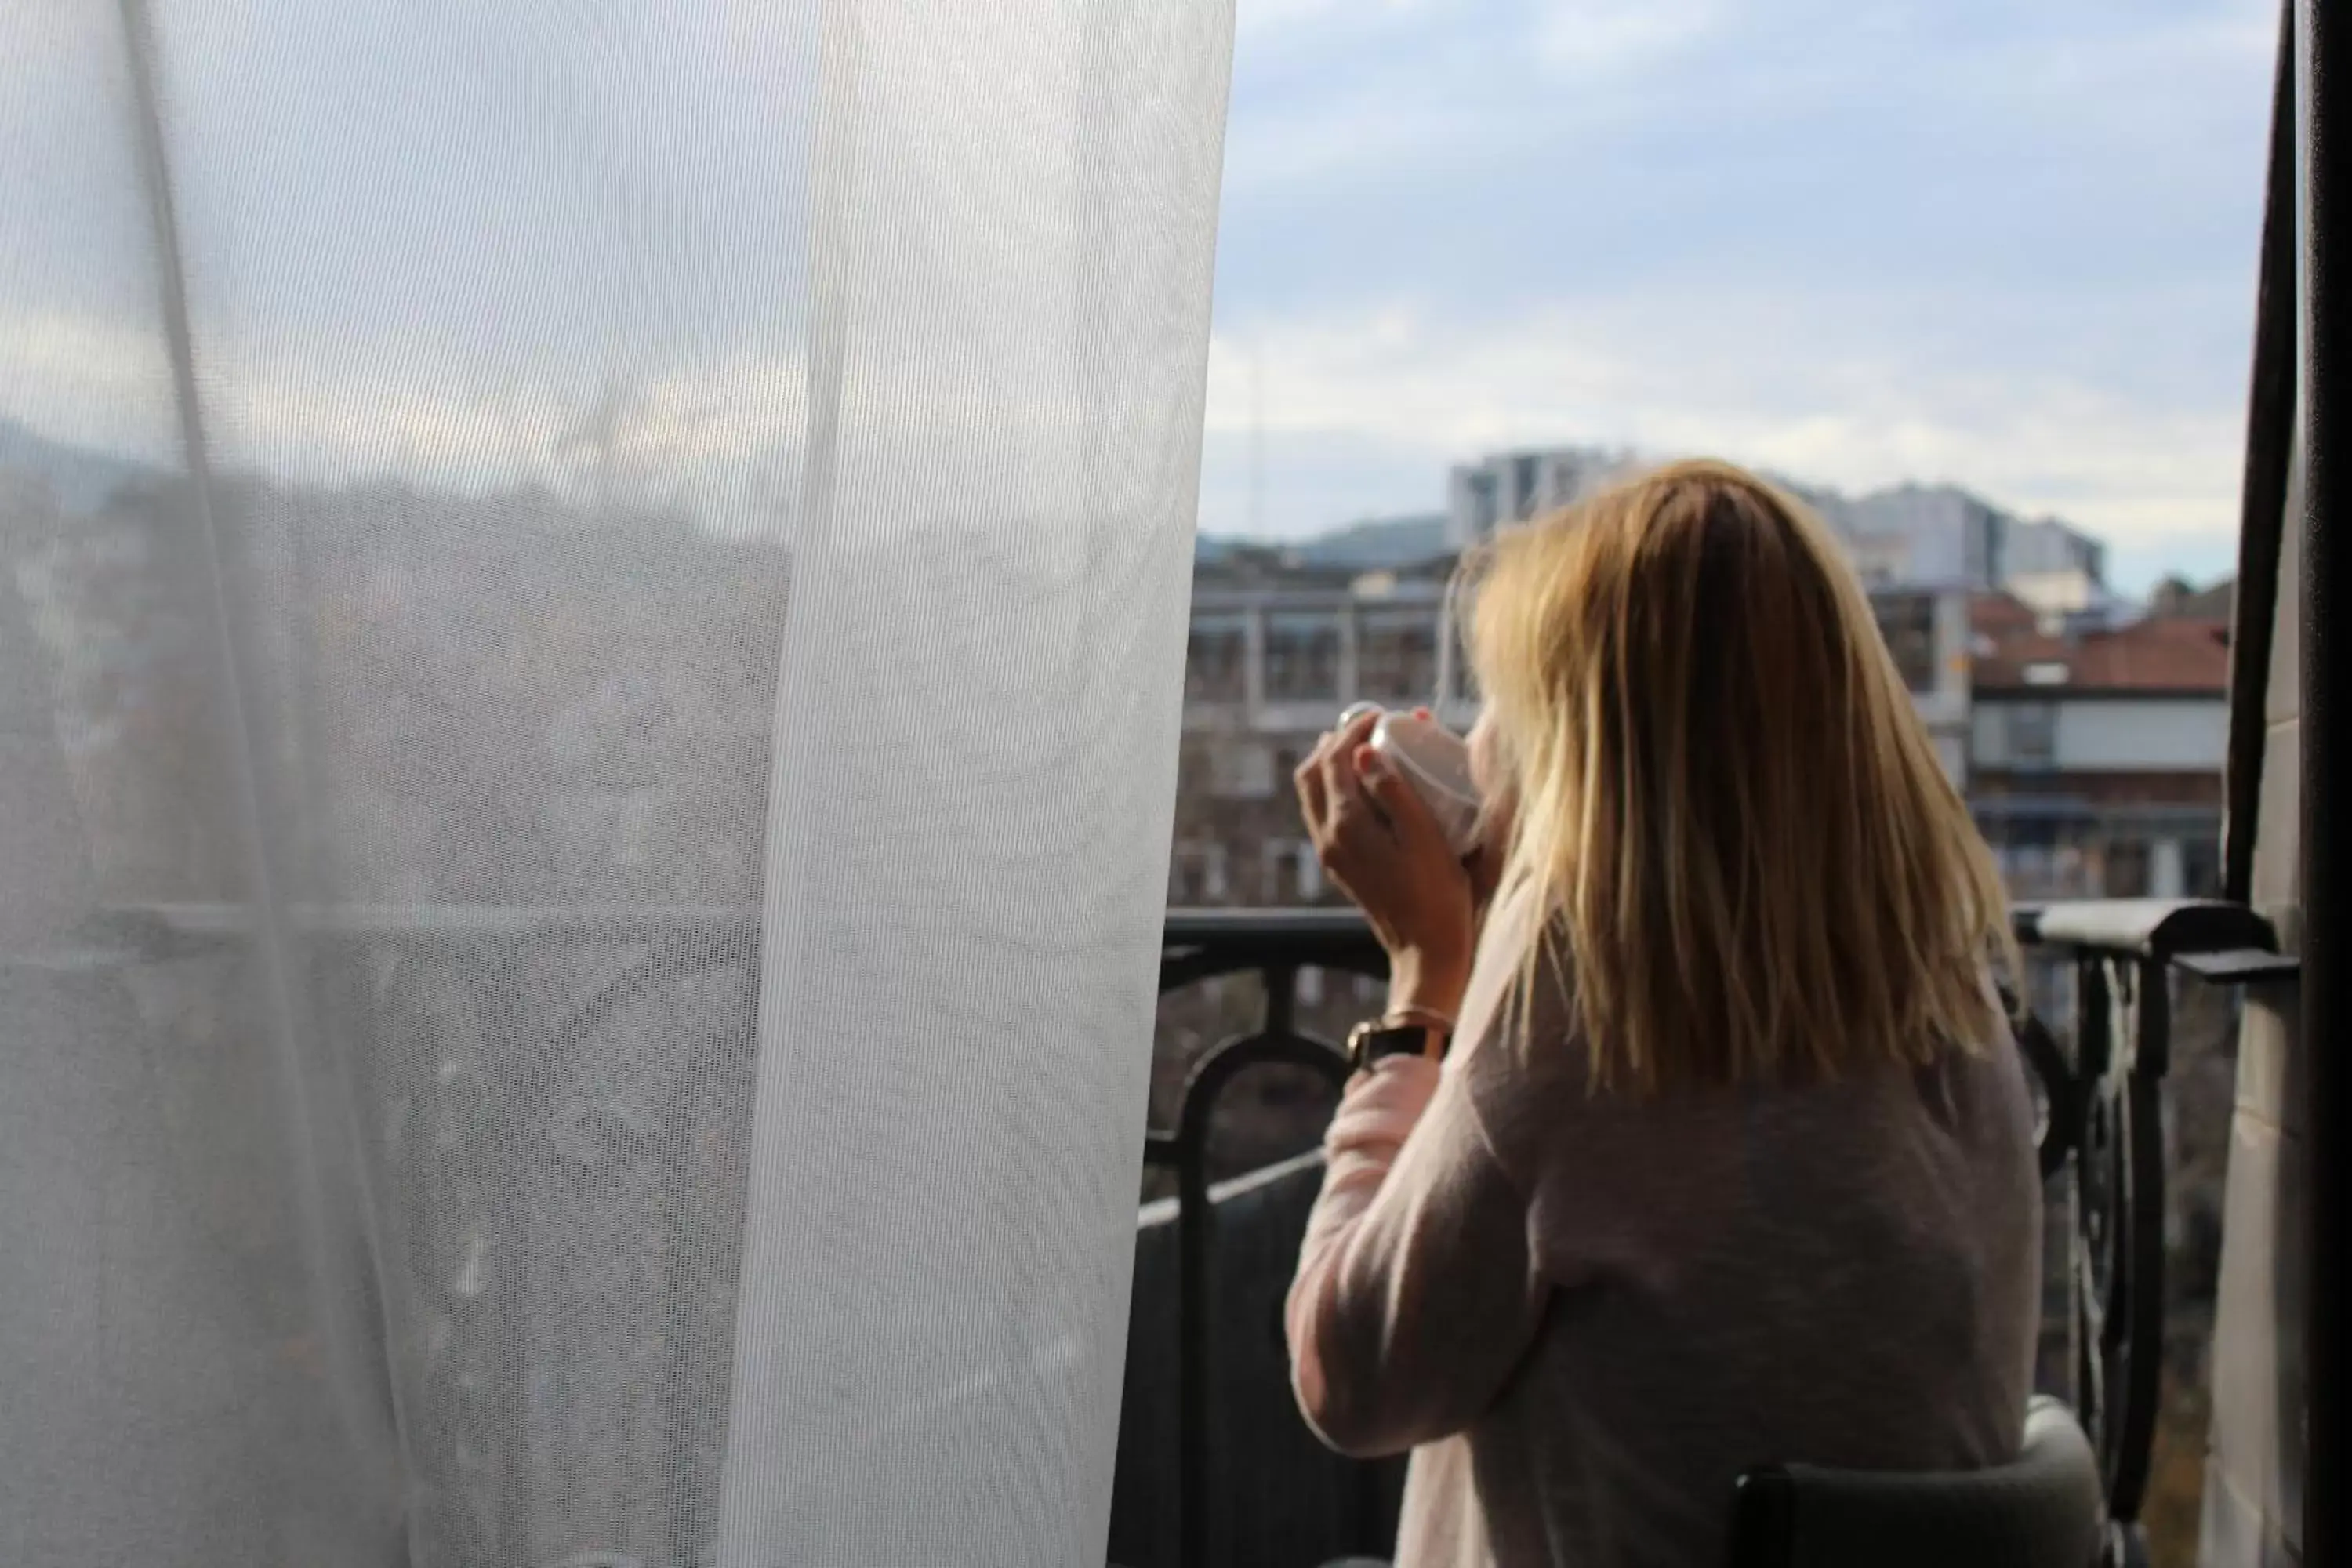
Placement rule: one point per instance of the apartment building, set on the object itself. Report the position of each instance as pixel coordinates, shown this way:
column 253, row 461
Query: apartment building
column 1505, row 488
column 1908, row 534
column 2090, row 752
column 2096, row 753
column 1271, row 663
column 2086, row 732
column 1276, row 654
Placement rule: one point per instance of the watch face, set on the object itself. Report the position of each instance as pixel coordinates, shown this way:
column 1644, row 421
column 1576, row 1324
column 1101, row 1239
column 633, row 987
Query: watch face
column 1372, row 1043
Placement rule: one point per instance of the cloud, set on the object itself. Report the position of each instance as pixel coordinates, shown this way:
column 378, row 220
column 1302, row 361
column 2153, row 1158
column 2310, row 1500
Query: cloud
column 1263, row 20
column 465, row 246
column 1790, row 387
column 1592, row 40
column 1006, row 429
column 390, row 408
column 2010, row 245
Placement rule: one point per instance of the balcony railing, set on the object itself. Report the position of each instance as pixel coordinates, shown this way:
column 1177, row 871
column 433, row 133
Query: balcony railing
column 2099, row 1083
column 1244, row 1490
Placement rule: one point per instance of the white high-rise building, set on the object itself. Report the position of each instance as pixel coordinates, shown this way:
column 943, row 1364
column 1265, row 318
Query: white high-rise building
column 1513, row 487
column 1913, row 536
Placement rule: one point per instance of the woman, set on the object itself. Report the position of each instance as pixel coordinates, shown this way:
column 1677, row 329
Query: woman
column 1700, row 1142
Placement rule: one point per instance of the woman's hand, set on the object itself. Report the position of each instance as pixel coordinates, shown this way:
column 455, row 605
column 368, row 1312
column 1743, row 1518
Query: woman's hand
column 1379, row 844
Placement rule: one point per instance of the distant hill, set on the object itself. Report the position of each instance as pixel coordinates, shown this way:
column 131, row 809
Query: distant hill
column 1374, row 544
column 79, row 479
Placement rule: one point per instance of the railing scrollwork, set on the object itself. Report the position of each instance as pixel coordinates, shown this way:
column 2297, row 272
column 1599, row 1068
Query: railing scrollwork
column 2101, row 1114
column 2100, row 1082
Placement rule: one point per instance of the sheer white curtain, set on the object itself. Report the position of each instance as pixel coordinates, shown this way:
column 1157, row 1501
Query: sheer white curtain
column 592, row 606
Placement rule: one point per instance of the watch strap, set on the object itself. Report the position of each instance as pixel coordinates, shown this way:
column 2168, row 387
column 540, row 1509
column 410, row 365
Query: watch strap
column 1377, row 1038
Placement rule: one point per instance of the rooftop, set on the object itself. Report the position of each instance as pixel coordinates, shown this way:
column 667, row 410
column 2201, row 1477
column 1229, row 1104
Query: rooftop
column 2173, row 653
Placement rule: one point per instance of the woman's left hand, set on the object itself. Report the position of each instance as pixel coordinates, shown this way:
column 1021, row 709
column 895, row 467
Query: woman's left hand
column 1380, row 844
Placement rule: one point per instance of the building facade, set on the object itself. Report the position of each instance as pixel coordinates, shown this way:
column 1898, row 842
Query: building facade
column 2089, row 754
column 2095, row 754
column 1505, row 488
column 2087, row 735
column 1275, row 655
column 1916, row 535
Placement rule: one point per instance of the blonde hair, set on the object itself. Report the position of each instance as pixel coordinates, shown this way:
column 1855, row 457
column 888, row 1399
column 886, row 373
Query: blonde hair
column 1748, row 861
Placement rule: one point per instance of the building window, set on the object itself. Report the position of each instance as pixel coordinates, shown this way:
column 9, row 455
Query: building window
column 1302, row 658
column 1241, row 770
column 1288, row 760
column 1396, row 656
column 2200, row 868
column 1196, row 875
column 1275, row 875
column 1465, row 681
column 2039, row 860
column 1523, row 489
column 1289, row 873
column 2032, row 735
column 1216, row 661
column 1908, row 622
column 1482, row 504
column 2127, row 869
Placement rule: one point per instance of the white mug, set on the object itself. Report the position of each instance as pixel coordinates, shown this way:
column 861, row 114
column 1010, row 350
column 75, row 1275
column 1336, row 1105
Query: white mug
column 1436, row 762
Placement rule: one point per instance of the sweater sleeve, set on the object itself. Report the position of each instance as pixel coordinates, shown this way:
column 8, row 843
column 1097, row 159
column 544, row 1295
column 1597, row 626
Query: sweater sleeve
column 1416, row 1296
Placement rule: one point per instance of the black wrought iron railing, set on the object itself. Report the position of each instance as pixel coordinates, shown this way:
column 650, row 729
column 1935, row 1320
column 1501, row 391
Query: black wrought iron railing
column 492, row 1116
column 2100, row 1075
column 2101, row 1086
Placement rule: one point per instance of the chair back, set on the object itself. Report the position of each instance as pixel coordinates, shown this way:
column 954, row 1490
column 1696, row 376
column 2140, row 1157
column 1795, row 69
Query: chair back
column 2043, row 1510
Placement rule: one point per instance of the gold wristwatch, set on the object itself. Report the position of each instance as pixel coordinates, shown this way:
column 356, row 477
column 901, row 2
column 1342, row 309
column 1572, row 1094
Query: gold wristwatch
column 1410, row 1033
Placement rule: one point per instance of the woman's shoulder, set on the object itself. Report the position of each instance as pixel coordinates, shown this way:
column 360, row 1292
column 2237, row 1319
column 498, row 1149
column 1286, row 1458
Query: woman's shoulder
column 1517, row 1052
column 1530, row 1078
column 1517, row 1015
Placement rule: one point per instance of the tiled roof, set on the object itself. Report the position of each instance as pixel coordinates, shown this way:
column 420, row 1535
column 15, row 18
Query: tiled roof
column 2209, row 603
column 2161, row 653
column 2000, row 615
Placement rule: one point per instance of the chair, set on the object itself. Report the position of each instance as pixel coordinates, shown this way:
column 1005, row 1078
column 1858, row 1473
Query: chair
column 2043, row 1510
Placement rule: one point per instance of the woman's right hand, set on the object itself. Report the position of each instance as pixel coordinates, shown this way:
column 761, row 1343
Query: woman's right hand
column 1379, row 844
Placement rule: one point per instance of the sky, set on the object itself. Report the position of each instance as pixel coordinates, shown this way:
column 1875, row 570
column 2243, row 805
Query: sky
column 547, row 243
column 2006, row 244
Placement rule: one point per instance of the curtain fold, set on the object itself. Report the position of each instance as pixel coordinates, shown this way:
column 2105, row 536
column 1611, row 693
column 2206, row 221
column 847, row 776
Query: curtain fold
column 592, row 612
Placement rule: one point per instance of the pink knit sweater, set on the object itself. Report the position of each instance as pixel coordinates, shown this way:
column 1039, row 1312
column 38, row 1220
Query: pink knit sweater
column 1585, row 1316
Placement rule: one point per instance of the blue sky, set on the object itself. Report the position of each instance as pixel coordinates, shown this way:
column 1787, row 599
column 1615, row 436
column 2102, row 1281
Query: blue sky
column 2004, row 243
column 2008, row 245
